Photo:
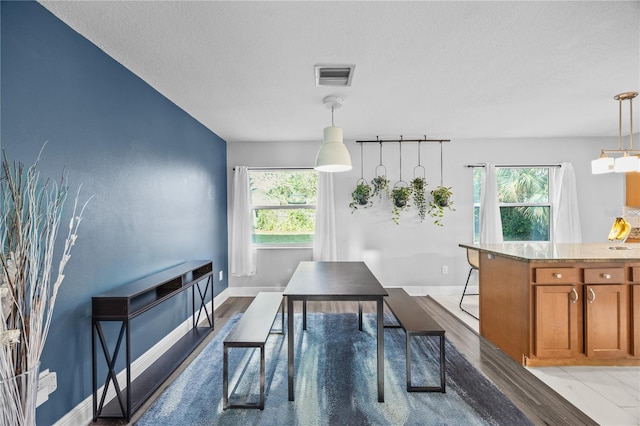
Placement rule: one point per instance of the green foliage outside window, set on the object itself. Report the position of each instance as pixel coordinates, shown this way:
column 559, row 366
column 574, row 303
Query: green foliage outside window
column 525, row 208
column 283, row 205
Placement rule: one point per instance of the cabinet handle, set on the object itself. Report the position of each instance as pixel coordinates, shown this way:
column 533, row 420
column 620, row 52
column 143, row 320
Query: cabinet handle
column 557, row 275
column 592, row 295
column 575, row 294
column 606, row 276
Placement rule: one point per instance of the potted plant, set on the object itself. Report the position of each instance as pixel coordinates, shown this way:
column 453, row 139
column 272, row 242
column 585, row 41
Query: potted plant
column 380, row 186
column 441, row 200
column 360, row 195
column 31, row 211
column 419, row 186
column 400, row 196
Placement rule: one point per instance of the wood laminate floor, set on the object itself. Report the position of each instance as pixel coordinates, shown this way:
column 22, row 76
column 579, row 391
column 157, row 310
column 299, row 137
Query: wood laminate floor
column 539, row 402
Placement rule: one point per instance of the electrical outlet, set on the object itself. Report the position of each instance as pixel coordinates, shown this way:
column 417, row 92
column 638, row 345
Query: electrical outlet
column 445, row 270
column 47, row 383
column 220, row 275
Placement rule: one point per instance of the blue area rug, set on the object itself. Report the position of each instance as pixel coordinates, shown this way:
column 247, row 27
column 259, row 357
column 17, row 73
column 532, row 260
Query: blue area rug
column 335, row 382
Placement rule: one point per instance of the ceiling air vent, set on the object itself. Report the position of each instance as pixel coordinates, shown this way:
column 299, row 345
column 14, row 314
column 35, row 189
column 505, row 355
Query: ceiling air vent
column 334, row 75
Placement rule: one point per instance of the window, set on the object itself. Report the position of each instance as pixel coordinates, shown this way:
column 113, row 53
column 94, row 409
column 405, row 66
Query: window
column 283, row 202
column 525, row 206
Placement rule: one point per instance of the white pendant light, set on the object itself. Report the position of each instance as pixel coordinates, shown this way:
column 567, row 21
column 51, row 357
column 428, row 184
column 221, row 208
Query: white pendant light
column 602, row 165
column 333, row 155
column 629, row 162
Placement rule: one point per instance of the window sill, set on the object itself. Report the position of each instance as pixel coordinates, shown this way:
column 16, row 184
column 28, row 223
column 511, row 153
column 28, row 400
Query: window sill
column 282, row 247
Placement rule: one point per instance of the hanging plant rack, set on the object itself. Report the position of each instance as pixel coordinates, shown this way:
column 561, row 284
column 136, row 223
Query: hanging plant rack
column 402, row 192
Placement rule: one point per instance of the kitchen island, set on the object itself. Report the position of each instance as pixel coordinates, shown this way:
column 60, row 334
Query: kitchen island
column 561, row 304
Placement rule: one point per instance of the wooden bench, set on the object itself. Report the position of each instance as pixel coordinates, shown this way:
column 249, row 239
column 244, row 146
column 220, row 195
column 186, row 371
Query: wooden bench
column 415, row 322
column 252, row 331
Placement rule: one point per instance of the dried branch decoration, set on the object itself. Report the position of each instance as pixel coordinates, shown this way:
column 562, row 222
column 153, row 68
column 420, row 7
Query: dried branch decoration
column 30, row 214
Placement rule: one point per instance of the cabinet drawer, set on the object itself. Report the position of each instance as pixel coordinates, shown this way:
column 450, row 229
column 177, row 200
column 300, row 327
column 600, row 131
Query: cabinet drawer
column 556, row 275
column 604, row 276
column 635, row 274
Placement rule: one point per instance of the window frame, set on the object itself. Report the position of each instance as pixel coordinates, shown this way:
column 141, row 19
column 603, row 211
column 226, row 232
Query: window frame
column 306, row 206
column 548, row 204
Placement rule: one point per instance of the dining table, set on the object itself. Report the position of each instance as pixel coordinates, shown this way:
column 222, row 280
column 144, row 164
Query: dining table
column 334, row 281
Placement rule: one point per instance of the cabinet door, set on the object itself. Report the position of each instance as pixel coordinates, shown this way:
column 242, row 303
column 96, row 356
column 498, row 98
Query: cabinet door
column 556, row 321
column 635, row 320
column 606, row 317
column 633, row 189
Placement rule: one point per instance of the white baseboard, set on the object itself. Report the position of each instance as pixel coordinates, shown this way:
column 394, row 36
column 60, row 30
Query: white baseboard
column 82, row 414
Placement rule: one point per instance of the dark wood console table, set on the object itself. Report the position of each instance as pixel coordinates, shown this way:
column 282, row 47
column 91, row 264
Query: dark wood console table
column 124, row 303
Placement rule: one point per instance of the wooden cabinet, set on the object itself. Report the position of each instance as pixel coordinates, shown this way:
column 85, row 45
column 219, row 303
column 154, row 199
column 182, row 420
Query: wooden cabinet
column 557, row 330
column 544, row 313
column 605, row 312
column 633, row 189
column 635, row 320
column 605, row 326
column 635, row 311
column 546, row 304
column 580, row 312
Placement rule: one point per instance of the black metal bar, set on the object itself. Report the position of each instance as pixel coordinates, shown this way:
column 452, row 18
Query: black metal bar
column 380, row 341
column 290, row 344
column 519, row 166
column 94, row 373
column 194, row 319
column 203, row 303
column 304, row 314
column 267, row 168
column 128, row 352
column 405, row 140
column 225, row 377
column 111, row 362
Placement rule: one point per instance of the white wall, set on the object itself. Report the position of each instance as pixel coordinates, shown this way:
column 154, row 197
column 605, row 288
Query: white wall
column 412, row 254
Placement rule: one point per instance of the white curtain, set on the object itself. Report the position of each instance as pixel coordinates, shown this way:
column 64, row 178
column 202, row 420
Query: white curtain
column 243, row 253
column 565, row 216
column 490, row 221
column 324, row 244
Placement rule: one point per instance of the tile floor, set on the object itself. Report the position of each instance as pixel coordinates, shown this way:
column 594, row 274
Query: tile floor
column 609, row 395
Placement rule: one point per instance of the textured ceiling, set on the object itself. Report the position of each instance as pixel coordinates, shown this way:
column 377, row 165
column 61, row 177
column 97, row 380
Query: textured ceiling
column 445, row 69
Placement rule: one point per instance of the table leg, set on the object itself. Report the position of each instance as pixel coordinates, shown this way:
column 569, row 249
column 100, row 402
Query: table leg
column 360, row 315
column 290, row 332
column 379, row 309
column 304, row 315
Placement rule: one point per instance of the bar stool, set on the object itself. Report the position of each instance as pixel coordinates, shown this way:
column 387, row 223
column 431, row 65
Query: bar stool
column 473, row 257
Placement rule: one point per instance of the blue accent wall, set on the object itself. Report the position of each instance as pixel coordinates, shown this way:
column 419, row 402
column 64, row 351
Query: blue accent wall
column 157, row 177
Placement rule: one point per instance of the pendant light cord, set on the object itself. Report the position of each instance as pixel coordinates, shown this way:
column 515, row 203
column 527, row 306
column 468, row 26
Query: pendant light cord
column 620, row 124
column 631, row 124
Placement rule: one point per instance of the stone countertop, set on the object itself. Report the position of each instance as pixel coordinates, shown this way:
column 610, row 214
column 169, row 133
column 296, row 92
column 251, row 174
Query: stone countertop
column 549, row 252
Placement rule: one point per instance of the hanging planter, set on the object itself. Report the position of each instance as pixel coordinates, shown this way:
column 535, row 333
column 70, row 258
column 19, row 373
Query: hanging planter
column 380, row 183
column 400, row 195
column 441, row 198
column 360, row 196
column 418, row 188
